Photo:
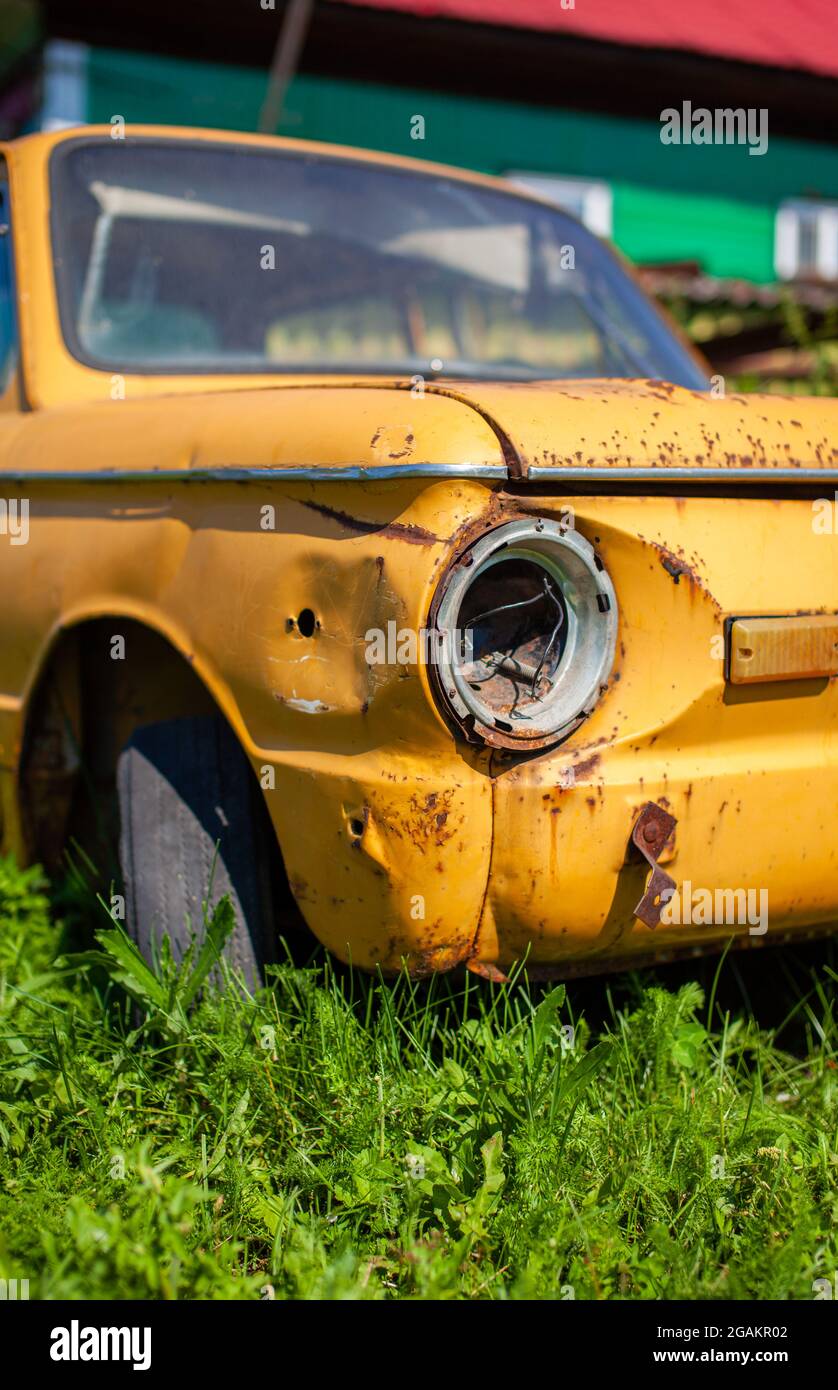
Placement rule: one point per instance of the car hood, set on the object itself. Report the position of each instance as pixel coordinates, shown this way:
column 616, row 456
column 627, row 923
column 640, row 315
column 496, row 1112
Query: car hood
column 595, row 433
column 638, row 429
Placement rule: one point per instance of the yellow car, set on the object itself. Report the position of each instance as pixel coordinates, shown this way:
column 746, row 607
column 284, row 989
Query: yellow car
column 371, row 547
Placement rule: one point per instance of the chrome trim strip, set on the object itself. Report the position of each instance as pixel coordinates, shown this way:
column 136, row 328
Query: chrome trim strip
column 537, row 473
column 544, row 473
column 353, row 472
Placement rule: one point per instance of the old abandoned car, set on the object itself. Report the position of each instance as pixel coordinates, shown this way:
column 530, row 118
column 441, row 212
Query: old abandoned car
column 371, row 546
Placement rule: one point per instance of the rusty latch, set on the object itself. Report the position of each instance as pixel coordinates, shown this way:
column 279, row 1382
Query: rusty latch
column 650, row 833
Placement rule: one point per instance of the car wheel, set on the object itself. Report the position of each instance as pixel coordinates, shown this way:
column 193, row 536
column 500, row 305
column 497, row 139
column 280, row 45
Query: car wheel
column 192, row 828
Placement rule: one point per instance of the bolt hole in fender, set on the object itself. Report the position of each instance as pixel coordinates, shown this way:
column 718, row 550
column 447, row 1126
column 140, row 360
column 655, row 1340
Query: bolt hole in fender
column 307, row 623
column 524, row 627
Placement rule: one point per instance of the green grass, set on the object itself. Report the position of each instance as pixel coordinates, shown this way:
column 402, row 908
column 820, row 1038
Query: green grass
column 341, row 1137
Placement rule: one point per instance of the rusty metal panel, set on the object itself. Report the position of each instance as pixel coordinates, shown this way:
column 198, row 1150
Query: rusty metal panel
column 784, row 648
column 652, row 829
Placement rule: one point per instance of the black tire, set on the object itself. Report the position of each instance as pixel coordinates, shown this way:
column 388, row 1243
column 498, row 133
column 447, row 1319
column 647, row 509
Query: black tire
column 184, row 787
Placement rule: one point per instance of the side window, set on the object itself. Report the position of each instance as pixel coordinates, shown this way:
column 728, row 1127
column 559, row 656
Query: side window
column 8, row 329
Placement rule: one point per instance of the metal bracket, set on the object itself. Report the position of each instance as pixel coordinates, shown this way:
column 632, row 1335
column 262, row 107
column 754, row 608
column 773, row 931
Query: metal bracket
column 650, row 833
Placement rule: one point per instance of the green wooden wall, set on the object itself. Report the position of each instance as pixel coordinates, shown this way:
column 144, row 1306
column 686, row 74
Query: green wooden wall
column 713, row 203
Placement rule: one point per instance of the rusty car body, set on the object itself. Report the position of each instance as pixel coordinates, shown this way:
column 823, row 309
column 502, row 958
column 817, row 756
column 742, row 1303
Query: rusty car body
column 247, row 528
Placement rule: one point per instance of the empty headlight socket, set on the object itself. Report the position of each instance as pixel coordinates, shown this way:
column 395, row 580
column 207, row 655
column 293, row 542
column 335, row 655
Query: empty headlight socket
column 525, row 628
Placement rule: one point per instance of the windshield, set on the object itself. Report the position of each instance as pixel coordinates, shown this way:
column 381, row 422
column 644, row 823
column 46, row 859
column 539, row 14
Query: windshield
column 180, row 257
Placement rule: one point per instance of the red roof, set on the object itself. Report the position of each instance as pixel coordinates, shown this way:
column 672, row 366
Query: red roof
column 798, row 34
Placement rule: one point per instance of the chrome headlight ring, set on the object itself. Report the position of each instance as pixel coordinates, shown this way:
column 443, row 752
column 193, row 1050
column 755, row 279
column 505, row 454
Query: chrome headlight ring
column 525, row 629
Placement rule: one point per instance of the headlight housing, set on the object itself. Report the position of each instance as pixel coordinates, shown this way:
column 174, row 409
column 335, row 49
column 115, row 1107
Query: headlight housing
column 524, row 626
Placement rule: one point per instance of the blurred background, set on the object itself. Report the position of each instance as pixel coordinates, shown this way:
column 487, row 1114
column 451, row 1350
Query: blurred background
column 562, row 95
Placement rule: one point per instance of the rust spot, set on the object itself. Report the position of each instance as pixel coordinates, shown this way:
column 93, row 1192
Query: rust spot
column 427, row 825
column 673, row 567
column 403, row 453
column 587, row 766
column 487, row 971
column 680, row 568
